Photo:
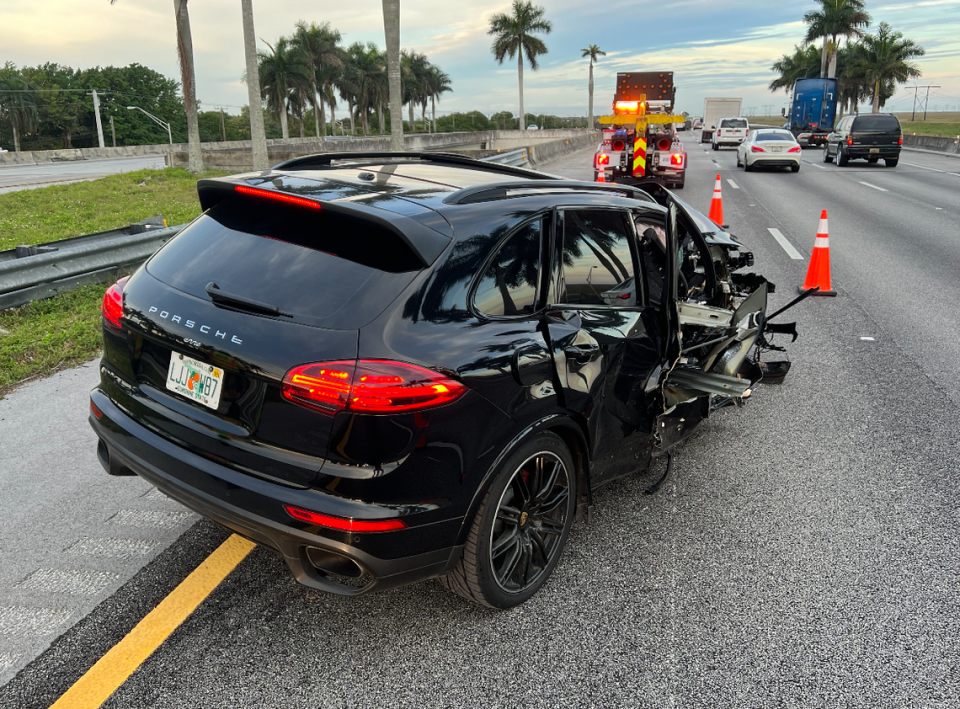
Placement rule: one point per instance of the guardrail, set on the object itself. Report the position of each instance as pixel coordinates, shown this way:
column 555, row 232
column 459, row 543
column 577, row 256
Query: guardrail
column 36, row 272
column 515, row 158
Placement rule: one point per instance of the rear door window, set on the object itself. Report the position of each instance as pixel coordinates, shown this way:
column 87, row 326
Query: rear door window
column 509, row 285
column 733, row 123
column 597, row 262
column 877, row 124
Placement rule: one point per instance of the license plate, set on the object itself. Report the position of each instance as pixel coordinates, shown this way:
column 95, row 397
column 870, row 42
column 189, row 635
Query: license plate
column 196, row 380
column 874, row 150
column 776, row 150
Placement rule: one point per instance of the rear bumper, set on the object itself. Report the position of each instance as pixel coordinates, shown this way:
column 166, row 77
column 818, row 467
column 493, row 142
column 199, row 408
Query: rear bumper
column 779, row 161
column 862, row 152
column 253, row 508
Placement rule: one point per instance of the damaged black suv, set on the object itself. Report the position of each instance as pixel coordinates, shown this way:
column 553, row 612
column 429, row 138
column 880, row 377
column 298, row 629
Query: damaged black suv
column 390, row 367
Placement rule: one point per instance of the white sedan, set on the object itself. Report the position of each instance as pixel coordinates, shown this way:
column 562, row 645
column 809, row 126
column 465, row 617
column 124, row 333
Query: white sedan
column 770, row 147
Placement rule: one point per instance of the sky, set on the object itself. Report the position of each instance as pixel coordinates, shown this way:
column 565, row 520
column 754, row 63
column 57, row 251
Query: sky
column 714, row 48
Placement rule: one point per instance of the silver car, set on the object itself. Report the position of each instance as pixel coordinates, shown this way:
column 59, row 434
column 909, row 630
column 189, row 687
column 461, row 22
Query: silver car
column 769, row 147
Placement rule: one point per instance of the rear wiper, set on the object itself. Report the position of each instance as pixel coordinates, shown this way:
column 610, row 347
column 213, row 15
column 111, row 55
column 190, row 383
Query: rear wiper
column 239, row 302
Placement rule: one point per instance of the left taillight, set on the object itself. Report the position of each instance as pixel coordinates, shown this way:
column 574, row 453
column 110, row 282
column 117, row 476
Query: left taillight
column 603, row 159
column 112, row 305
column 369, row 386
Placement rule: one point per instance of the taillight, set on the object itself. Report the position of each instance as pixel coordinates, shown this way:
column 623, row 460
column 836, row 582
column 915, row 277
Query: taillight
column 112, row 304
column 347, row 525
column 850, row 140
column 718, row 132
column 676, row 159
column 369, row 386
column 277, row 196
column 603, row 159
column 794, row 149
column 95, row 411
column 901, row 140
column 755, row 149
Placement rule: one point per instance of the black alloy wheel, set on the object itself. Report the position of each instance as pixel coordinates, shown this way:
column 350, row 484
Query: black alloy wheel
column 520, row 529
column 842, row 158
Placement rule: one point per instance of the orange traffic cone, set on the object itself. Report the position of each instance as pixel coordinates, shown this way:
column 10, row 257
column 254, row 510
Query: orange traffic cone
column 601, row 175
column 819, row 272
column 716, row 206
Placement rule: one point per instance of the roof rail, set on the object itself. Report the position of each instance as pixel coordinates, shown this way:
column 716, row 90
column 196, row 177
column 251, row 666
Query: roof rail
column 321, row 160
column 483, row 193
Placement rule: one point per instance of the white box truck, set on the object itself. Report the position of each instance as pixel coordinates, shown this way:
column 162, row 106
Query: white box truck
column 713, row 110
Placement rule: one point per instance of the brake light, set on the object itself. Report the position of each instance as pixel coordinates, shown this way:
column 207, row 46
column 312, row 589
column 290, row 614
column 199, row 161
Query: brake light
column 369, row 386
column 277, row 196
column 676, row 159
column 347, row 525
column 901, row 140
column 756, row 149
column 718, row 132
column 850, row 140
column 112, row 304
column 794, row 149
column 603, row 159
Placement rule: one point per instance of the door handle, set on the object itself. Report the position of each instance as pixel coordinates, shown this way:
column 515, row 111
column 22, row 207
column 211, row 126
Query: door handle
column 581, row 353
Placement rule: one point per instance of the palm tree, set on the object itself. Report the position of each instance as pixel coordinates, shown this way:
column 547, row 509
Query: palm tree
column 391, row 30
column 364, row 78
column 414, row 70
column 439, row 83
column 514, row 37
column 593, row 51
column 803, row 64
column 18, row 103
column 835, row 19
column 258, row 136
column 320, row 45
column 188, row 80
column 283, row 70
column 883, row 60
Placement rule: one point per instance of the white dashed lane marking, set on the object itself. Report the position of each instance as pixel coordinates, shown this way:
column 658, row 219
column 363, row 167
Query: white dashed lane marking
column 733, row 184
column 19, row 620
column 116, row 548
column 880, row 189
column 151, row 518
column 787, row 246
column 78, row 582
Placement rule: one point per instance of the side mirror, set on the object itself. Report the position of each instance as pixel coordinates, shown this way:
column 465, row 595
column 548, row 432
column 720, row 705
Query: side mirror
column 783, row 112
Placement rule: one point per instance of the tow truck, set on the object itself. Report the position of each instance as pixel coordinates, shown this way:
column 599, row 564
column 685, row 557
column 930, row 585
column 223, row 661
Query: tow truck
column 640, row 142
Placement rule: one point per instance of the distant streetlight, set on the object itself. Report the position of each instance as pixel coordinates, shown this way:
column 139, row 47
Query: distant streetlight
column 155, row 120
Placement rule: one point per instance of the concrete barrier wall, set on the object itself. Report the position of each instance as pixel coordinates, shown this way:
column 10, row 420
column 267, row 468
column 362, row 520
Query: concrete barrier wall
column 930, row 142
column 547, row 152
column 416, row 141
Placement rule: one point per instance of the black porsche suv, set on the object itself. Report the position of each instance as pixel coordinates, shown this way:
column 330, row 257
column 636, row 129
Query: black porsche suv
column 389, row 367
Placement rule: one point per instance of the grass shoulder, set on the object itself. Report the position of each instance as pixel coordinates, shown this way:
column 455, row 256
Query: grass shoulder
column 41, row 338
column 62, row 211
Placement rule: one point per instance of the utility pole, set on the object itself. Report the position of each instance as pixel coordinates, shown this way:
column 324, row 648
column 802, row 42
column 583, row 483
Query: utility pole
column 96, row 112
column 922, row 101
column 223, row 125
column 113, row 132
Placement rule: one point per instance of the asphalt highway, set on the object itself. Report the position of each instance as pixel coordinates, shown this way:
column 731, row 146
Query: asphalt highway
column 25, row 177
column 803, row 553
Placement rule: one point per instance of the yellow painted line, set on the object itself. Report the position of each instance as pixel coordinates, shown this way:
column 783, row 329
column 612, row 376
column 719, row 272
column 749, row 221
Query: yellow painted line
column 112, row 670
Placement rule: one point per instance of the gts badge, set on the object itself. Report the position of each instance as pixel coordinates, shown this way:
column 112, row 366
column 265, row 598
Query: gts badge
column 205, row 329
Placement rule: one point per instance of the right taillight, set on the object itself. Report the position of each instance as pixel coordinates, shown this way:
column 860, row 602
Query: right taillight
column 369, row 386
column 112, row 304
column 901, row 140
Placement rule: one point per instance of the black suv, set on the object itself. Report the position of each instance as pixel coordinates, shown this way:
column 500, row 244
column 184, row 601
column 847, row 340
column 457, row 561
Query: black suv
column 866, row 137
column 389, row 367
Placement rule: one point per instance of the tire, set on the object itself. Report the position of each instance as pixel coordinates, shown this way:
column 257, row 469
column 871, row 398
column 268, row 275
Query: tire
column 794, row 168
column 525, row 535
column 826, row 154
column 842, row 158
column 739, row 164
column 679, row 185
column 891, row 162
column 716, row 147
column 747, row 167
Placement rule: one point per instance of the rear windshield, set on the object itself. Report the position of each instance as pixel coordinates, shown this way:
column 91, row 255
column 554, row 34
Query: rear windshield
column 771, row 135
column 733, row 123
column 317, row 267
column 877, row 123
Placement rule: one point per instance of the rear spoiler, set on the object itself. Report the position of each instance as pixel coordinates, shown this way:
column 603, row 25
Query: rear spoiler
column 426, row 242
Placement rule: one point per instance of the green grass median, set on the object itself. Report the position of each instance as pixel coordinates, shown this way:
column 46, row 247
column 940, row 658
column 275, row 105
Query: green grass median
column 43, row 337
